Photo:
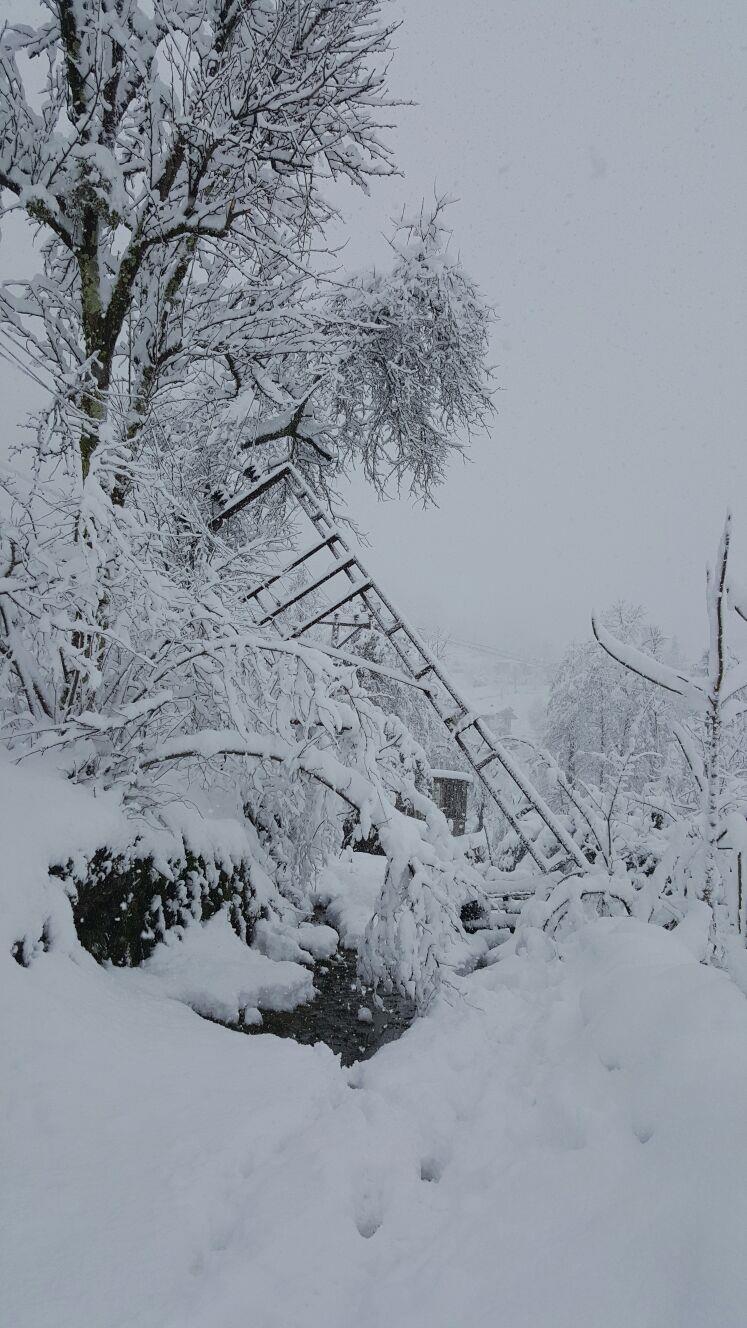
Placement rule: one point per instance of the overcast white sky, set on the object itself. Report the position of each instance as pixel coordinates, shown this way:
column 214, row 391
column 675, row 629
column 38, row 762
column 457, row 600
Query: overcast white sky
column 597, row 148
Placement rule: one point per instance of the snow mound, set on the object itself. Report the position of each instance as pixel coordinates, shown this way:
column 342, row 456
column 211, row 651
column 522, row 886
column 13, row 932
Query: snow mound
column 560, row 1143
column 46, row 820
column 210, row 969
column 300, row 942
column 349, row 889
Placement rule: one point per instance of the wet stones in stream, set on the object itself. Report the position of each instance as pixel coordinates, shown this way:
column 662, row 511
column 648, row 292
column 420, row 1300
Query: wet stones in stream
column 344, row 1013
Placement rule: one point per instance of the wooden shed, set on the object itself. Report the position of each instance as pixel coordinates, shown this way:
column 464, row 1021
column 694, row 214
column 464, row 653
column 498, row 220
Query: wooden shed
column 450, row 790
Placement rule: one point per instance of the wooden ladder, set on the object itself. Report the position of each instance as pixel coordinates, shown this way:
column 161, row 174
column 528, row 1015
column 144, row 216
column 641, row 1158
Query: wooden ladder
column 485, row 754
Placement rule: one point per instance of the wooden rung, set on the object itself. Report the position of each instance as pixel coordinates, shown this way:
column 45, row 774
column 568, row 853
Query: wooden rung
column 486, row 761
column 238, row 504
column 358, row 589
column 360, row 627
column 309, row 589
column 348, row 622
column 455, row 718
column 327, row 542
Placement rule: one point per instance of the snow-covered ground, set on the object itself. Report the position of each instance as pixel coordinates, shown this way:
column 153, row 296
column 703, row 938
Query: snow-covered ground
column 560, row 1142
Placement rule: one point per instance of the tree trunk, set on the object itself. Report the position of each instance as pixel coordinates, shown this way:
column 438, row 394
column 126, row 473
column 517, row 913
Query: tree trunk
column 93, row 403
column 711, row 890
column 716, row 592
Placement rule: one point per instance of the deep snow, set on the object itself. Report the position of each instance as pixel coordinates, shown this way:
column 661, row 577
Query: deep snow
column 560, row 1142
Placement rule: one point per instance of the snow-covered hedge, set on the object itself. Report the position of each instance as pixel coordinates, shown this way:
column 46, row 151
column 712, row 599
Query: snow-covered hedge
column 125, row 903
column 78, row 872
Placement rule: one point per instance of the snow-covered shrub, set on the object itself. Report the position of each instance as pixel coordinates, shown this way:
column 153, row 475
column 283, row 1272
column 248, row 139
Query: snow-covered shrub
column 124, row 904
column 703, row 861
column 563, row 905
column 648, row 770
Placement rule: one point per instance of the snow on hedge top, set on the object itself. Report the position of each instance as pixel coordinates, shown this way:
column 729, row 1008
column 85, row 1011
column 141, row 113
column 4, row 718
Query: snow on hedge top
column 46, row 820
column 211, row 970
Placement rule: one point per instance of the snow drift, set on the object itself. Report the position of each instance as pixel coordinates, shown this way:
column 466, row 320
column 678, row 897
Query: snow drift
column 559, row 1142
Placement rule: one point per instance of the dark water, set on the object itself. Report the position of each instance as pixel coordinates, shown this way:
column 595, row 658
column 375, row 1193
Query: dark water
column 333, row 1016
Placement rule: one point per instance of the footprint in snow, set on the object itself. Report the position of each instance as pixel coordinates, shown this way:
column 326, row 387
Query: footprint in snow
column 367, row 1226
column 431, row 1169
column 369, row 1215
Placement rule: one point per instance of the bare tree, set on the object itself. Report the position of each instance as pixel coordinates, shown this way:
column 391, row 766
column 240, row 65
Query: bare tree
column 176, row 173
column 176, row 140
column 717, row 699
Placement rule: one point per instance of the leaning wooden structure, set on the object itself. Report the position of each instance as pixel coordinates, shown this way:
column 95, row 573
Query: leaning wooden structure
column 347, row 581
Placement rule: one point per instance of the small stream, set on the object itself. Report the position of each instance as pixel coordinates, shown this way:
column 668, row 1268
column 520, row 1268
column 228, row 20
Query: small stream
column 336, row 1015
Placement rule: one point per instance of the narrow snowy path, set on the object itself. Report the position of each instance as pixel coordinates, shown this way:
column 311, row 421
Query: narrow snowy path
column 560, row 1143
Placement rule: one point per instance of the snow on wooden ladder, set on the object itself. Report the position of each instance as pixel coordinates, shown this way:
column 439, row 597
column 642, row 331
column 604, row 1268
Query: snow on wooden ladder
column 488, row 758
